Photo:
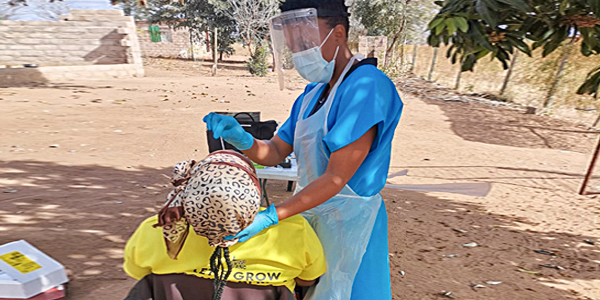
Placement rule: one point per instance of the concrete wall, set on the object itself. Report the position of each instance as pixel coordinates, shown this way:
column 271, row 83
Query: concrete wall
column 85, row 37
column 175, row 43
column 56, row 75
column 372, row 46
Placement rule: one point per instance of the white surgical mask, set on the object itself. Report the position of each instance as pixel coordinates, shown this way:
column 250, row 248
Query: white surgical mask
column 312, row 66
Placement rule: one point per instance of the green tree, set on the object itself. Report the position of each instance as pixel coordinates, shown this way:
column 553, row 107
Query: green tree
column 199, row 16
column 475, row 29
column 258, row 65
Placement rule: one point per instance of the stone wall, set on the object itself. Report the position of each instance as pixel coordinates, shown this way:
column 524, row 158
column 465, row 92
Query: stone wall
column 85, row 37
column 372, row 46
column 175, row 43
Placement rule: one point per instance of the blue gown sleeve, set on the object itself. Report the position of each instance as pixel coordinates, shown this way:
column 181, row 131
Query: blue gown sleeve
column 368, row 99
column 286, row 131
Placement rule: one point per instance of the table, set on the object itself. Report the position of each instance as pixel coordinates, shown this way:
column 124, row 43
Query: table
column 276, row 173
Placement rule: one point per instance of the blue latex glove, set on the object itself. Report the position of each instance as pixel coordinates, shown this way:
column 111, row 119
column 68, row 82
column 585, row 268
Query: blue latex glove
column 230, row 130
column 263, row 219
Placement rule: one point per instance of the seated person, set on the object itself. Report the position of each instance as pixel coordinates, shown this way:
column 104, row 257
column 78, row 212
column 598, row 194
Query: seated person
column 177, row 253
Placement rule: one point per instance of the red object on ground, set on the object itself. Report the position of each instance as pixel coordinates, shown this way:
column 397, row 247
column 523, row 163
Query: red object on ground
column 56, row 293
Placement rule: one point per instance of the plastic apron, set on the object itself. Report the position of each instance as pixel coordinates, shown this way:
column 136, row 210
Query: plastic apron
column 344, row 223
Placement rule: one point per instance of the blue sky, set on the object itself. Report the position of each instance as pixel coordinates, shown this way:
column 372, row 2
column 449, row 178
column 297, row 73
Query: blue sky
column 89, row 4
column 40, row 10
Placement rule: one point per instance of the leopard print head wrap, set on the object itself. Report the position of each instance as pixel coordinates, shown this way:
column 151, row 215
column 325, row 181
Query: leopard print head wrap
column 217, row 197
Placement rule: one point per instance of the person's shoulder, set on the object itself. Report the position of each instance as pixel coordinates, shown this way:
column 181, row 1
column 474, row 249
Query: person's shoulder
column 296, row 224
column 369, row 74
column 309, row 87
column 368, row 82
column 150, row 220
column 148, row 224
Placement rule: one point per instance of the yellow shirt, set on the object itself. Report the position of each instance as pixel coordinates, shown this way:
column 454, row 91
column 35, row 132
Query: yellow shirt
column 275, row 256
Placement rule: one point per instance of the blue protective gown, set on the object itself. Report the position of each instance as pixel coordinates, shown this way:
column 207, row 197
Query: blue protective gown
column 366, row 98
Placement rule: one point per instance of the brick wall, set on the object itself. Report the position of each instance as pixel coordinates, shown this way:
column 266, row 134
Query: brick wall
column 85, row 37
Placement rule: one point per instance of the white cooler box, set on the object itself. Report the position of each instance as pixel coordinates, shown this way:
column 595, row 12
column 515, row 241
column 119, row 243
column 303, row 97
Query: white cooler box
column 25, row 271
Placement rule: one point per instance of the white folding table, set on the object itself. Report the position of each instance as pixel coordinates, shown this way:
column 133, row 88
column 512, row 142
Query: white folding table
column 276, row 173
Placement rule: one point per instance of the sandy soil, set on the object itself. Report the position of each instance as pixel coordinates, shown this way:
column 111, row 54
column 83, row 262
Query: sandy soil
column 82, row 163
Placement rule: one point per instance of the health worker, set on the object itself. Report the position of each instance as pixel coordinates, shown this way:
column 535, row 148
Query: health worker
column 341, row 130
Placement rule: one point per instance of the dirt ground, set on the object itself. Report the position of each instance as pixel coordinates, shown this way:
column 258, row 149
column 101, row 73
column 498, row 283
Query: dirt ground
column 82, row 163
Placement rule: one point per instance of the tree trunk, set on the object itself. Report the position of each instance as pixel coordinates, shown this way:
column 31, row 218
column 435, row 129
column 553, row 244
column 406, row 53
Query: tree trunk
column 248, row 41
column 509, row 73
column 396, row 36
column 559, row 74
column 433, row 60
column 386, row 58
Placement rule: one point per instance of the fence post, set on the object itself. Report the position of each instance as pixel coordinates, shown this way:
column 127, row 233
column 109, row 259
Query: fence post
column 435, row 55
column 458, row 77
column 414, row 59
column 559, row 74
column 509, row 73
column 216, row 51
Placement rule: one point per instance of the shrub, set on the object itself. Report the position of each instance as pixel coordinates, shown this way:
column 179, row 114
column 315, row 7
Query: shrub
column 257, row 65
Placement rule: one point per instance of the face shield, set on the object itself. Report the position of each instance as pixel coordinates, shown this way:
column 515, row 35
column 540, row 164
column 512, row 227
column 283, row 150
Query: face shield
column 292, row 32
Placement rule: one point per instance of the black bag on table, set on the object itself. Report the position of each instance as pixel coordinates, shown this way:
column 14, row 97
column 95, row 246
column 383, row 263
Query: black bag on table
column 259, row 130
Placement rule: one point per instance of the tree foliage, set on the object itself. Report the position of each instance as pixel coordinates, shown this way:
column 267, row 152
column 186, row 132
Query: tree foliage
column 199, row 16
column 399, row 20
column 140, row 10
column 251, row 18
column 258, row 64
column 32, row 9
column 477, row 28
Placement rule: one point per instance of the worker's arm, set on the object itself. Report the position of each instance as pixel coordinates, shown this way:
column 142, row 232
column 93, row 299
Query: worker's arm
column 343, row 163
column 269, row 152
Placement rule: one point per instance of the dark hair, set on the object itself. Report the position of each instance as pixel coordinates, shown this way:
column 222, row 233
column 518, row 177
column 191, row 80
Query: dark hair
column 335, row 12
column 220, row 271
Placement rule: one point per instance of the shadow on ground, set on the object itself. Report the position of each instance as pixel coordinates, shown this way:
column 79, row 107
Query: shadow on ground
column 83, row 215
column 501, row 126
column 423, row 229
column 80, row 215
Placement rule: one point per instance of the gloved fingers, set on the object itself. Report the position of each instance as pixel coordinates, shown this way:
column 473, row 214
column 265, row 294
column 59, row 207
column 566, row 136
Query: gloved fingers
column 218, row 127
column 239, row 235
column 231, row 237
column 244, row 238
column 271, row 212
column 208, row 120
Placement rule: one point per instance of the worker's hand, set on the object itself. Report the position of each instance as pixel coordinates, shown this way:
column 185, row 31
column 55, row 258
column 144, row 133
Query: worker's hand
column 263, row 219
column 230, row 130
